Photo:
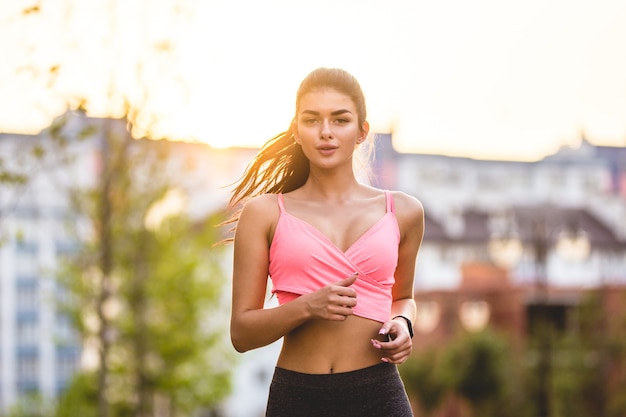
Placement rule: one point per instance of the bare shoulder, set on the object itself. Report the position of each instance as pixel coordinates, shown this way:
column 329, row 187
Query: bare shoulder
column 407, row 206
column 262, row 204
column 409, row 211
column 260, row 211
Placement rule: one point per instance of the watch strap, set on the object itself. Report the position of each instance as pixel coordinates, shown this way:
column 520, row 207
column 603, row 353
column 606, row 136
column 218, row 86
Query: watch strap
column 408, row 323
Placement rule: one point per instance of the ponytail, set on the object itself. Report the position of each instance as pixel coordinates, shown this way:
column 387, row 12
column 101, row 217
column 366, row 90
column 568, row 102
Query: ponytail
column 280, row 166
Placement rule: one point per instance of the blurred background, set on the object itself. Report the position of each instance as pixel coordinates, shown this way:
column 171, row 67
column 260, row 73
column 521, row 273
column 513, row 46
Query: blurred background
column 122, row 125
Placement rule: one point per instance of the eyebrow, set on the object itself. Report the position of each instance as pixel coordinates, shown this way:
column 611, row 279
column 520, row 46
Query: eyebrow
column 334, row 113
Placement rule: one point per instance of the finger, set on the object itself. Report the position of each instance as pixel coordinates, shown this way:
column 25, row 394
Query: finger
column 341, row 312
column 346, row 282
column 391, row 354
column 397, row 360
column 391, row 330
column 384, row 331
column 347, row 300
column 398, row 357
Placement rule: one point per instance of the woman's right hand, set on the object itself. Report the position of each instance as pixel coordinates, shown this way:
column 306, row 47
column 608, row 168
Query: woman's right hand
column 334, row 301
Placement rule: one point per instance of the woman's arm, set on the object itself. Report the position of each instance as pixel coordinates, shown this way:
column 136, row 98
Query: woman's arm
column 410, row 215
column 251, row 325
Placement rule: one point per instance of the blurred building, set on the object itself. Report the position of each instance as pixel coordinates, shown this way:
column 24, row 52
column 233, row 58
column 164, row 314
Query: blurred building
column 468, row 202
column 515, row 246
column 39, row 348
column 470, row 206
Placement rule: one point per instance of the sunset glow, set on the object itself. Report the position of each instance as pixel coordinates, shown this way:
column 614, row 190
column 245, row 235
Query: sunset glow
column 493, row 79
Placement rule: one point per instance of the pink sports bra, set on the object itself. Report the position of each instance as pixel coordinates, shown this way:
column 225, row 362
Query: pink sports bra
column 303, row 259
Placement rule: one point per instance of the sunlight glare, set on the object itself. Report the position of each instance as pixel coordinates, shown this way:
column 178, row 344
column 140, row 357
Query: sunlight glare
column 462, row 79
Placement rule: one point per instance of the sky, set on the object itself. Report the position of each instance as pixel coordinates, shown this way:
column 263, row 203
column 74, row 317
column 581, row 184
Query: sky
column 493, row 79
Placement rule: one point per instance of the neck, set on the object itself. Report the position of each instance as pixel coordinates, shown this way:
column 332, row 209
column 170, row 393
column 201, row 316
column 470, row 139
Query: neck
column 331, row 185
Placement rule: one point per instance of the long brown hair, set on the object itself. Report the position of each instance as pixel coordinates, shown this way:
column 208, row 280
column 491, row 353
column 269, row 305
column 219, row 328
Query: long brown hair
column 280, row 165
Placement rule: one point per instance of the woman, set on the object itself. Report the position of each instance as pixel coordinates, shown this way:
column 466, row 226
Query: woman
column 341, row 257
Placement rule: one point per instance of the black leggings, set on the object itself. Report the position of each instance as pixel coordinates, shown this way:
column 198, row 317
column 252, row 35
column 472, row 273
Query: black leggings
column 375, row 391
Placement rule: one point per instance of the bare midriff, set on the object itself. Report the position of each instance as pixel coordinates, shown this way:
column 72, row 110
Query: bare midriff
column 323, row 347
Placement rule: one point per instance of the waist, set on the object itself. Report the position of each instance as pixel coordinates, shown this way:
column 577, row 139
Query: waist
column 323, row 347
column 354, row 379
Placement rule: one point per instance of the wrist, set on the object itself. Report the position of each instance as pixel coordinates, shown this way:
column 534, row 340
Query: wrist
column 408, row 323
column 306, row 310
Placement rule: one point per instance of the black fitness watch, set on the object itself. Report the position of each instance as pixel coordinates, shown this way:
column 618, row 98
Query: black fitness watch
column 408, row 323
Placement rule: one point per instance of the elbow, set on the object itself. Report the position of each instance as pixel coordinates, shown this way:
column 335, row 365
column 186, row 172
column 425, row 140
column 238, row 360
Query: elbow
column 238, row 341
column 239, row 347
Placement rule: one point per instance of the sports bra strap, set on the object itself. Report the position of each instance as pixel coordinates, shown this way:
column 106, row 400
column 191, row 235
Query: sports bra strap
column 281, row 204
column 390, row 205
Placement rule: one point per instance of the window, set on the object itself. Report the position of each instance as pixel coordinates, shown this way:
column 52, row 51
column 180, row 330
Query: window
column 27, row 373
column 27, row 330
column 27, row 296
column 66, row 334
column 67, row 363
column 25, row 264
column 555, row 315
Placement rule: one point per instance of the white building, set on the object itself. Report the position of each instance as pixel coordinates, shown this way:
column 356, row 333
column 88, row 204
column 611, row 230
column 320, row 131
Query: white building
column 466, row 199
column 39, row 349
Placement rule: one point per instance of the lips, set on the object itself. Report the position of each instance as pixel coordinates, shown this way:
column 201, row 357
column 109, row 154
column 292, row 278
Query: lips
column 327, row 149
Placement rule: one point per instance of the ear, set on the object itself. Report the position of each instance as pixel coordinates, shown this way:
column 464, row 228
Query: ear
column 365, row 130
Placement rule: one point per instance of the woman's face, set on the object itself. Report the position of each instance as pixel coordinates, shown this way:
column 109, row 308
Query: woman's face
column 327, row 128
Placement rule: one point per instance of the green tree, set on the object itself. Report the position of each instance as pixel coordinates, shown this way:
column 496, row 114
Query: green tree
column 143, row 291
column 30, row 406
column 589, row 363
column 422, row 378
column 116, row 265
column 475, row 368
column 80, row 398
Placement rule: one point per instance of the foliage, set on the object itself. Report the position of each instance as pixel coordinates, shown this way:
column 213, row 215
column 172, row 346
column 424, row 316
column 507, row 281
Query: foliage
column 588, row 365
column 147, row 304
column 30, row 406
column 421, row 377
column 574, row 381
column 163, row 283
column 80, row 398
column 476, row 368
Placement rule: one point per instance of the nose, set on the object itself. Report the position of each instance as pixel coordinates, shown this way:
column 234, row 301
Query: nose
column 326, row 132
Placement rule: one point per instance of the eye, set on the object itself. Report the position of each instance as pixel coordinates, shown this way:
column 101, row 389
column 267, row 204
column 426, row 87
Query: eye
column 309, row 121
column 342, row 121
